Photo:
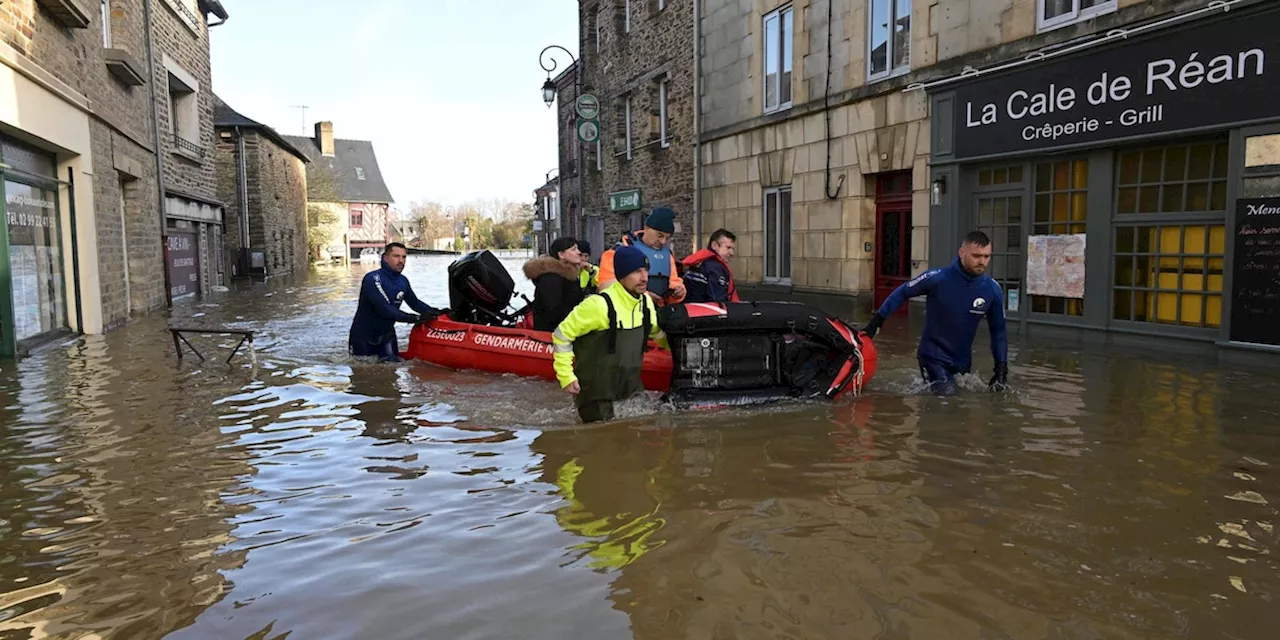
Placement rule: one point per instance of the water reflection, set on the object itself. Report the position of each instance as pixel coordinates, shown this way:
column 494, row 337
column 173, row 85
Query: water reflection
column 1110, row 495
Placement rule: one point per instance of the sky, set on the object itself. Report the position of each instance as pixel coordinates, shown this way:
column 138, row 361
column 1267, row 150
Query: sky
column 449, row 91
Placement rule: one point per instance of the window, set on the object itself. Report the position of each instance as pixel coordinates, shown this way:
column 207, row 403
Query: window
column 1170, row 274
column 184, row 112
column 662, row 113
column 357, row 217
column 1177, row 179
column 1170, row 271
column 359, row 173
column 1062, row 198
column 888, row 38
column 777, row 60
column 777, row 234
column 106, row 24
column 1051, row 14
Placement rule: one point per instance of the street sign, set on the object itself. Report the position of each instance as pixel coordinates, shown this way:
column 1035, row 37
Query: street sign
column 588, row 131
column 537, row 225
column 624, row 200
column 587, row 106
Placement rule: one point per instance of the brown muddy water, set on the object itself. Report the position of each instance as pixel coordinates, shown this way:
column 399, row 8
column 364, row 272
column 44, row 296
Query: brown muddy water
column 1111, row 495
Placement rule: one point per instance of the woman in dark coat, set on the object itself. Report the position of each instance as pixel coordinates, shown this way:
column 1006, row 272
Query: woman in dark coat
column 557, row 282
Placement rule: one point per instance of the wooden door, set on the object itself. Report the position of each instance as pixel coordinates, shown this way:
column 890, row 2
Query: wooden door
column 893, row 235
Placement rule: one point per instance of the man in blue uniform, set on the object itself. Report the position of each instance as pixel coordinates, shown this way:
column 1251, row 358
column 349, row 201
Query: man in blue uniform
column 960, row 296
column 373, row 330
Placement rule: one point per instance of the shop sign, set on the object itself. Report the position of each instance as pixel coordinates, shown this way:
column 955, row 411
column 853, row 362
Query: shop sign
column 184, row 267
column 1255, row 277
column 1185, row 78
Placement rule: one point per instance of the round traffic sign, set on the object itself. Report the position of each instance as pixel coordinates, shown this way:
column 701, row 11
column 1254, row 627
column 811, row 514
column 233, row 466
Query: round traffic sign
column 588, row 131
column 587, row 106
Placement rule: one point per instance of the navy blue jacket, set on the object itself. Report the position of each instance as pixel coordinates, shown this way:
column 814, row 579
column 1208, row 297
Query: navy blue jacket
column 957, row 302
column 378, row 311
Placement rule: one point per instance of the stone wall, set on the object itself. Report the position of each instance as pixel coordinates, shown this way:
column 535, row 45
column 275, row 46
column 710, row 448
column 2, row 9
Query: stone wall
column 185, row 43
column 873, row 128
column 126, row 208
column 625, row 63
column 277, row 194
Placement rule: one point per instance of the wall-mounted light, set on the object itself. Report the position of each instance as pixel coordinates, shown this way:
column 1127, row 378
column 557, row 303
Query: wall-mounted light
column 939, row 188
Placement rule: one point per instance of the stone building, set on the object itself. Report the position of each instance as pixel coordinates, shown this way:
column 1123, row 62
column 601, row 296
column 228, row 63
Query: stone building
column 857, row 141
column 263, row 181
column 78, row 160
column 344, row 181
column 637, row 59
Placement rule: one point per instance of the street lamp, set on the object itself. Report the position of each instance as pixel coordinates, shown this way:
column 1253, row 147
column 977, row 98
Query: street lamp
column 549, row 92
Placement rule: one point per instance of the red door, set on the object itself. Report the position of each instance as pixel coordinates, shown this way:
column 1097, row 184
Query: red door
column 893, row 234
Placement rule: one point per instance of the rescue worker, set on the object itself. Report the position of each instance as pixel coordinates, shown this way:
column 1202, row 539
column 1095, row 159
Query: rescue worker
column 373, row 330
column 584, row 248
column 599, row 348
column 560, row 281
column 959, row 297
column 707, row 275
column 665, row 285
column 590, row 276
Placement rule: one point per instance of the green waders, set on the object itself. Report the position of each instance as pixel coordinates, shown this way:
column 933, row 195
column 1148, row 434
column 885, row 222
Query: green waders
column 608, row 365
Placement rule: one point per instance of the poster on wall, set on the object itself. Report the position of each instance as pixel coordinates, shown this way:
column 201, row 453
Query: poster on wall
column 1055, row 265
column 1255, row 282
column 184, row 269
column 35, row 261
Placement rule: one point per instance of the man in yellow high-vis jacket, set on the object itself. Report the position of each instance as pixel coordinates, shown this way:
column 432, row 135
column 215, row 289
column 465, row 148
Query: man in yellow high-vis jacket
column 607, row 334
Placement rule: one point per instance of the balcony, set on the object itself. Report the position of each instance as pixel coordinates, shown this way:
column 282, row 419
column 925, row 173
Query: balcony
column 68, row 12
column 187, row 148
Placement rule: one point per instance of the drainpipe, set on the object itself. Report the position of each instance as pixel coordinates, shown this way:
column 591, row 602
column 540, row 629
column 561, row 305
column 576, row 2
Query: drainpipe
column 155, row 130
column 243, row 176
column 697, row 124
column 75, row 247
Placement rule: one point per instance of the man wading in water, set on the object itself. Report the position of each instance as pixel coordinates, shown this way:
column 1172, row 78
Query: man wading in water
column 608, row 333
column 373, row 330
column 960, row 296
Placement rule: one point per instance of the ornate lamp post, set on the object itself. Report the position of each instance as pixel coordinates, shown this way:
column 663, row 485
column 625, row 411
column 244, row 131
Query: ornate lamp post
column 549, row 93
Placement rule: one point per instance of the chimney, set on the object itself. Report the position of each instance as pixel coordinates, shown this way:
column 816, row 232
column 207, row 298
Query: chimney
column 324, row 137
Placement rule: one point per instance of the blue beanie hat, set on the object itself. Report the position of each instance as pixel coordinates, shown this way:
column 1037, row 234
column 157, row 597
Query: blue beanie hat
column 627, row 260
column 662, row 219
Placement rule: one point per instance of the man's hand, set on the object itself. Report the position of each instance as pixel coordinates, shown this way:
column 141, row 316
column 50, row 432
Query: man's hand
column 999, row 381
column 678, row 291
column 873, row 327
column 430, row 315
column 573, row 389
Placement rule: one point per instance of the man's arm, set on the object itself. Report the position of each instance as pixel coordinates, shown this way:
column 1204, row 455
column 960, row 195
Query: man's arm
column 377, row 297
column 655, row 332
column 421, row 307
column 590, row 315
column 996, row 324
column 920, row 285
column 677, row 284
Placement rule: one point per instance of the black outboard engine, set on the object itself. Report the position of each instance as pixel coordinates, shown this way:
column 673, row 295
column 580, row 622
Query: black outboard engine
column 480, row 290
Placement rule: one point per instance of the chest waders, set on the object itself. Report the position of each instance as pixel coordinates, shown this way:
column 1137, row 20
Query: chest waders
column 608, row 365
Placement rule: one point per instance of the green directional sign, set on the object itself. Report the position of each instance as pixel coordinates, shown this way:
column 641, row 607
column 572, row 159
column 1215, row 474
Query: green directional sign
column 588, row 131
column 624, row 200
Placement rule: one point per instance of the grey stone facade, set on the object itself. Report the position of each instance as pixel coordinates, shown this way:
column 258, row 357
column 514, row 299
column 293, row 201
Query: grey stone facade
column 123, row 93
column 627, row 58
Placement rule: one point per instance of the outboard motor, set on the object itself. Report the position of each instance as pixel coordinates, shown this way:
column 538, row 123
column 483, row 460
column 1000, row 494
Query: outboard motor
column 480, row 290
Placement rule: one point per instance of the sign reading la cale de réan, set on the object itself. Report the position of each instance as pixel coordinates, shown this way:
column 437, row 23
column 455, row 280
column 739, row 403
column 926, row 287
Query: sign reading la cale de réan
column 1202, row 75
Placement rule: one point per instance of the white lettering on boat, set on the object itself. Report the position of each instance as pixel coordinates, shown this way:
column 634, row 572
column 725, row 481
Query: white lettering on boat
column 511, row 343
column 450, row 336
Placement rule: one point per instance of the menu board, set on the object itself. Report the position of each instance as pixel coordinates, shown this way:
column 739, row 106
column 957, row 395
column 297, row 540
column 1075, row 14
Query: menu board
column 1255, row 285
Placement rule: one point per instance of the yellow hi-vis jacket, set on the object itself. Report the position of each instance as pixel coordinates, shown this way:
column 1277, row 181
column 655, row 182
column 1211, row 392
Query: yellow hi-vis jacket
column 592, row 315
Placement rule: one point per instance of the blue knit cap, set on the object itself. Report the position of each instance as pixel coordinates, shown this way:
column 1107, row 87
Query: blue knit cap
column 661, row 219
column 627, row 260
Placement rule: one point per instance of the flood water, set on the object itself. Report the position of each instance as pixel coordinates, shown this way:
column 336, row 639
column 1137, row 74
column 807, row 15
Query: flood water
column 1113, row 494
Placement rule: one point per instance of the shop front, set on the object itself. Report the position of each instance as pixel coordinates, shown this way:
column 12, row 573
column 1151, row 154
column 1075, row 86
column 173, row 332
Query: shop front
column 33, row 304
column 1130, row 186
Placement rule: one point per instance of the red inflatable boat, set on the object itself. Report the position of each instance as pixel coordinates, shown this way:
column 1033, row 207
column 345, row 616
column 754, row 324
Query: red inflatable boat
column 524, row 352
column 727, row 353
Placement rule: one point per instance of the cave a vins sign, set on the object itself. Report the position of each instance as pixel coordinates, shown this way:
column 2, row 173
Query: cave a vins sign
column 1188, row 77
